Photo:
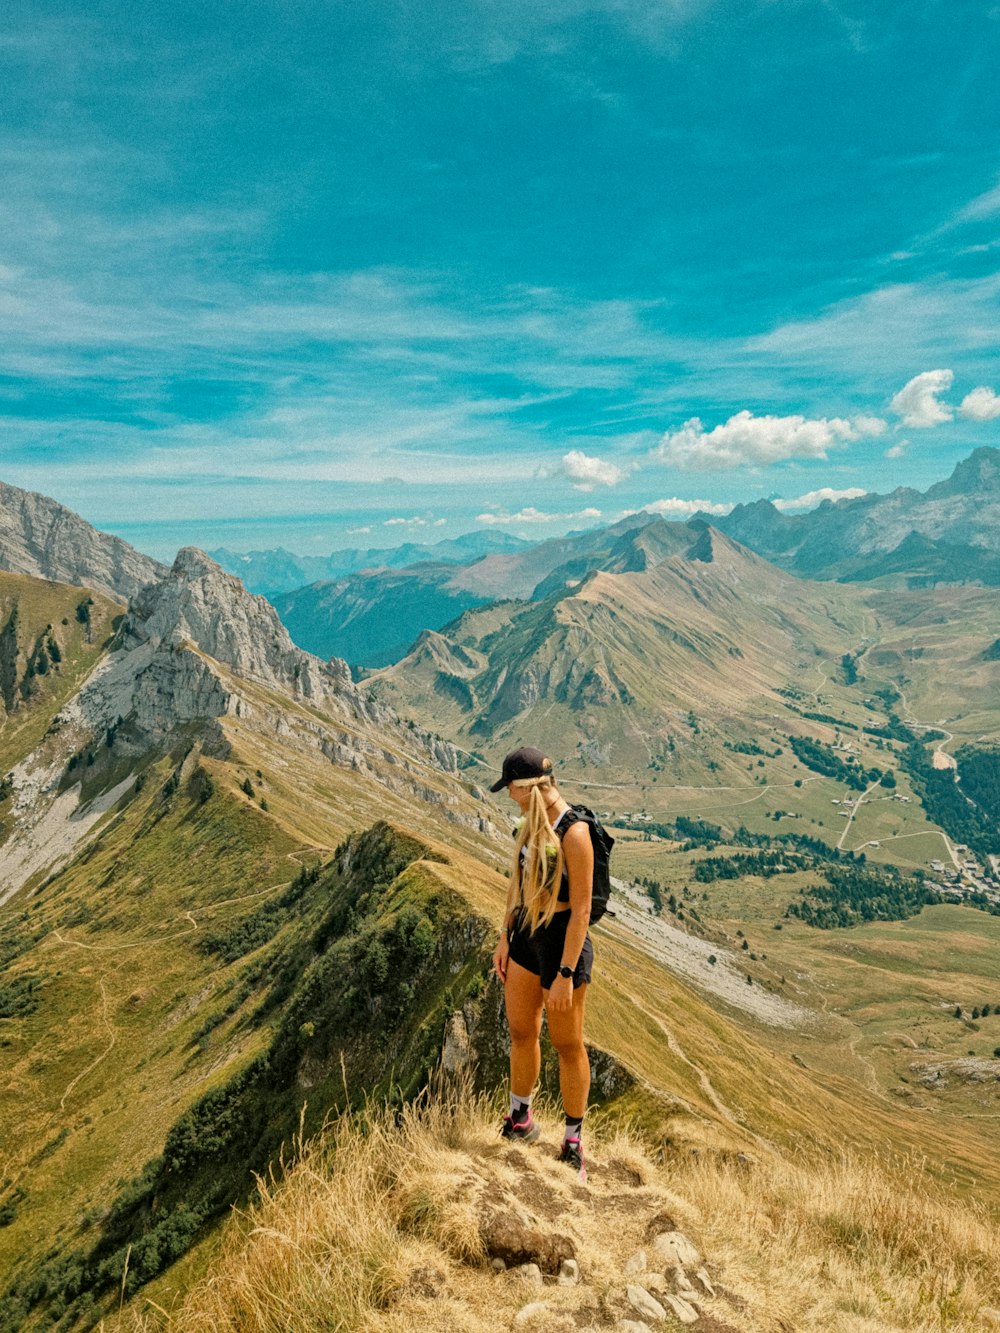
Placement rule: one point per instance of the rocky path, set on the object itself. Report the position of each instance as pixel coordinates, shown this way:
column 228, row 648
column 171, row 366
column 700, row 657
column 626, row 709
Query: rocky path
column 611, row 1253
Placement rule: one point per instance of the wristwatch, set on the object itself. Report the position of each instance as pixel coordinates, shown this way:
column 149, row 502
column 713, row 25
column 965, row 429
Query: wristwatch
column 565, row 971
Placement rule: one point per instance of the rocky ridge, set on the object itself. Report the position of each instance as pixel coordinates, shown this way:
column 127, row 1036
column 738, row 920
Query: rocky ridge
column 41, row 537
column 840, row 538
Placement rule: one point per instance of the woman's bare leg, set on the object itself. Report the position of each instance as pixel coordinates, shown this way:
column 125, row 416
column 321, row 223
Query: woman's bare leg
column 566, row 1031
column 522, row 994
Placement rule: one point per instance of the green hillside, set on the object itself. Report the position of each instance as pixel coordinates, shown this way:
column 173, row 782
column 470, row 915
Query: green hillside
column 51, row 636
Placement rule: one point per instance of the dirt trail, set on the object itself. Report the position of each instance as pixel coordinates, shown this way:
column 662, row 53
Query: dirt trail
column 704, row 1082
column 854, row 810
column 104, row 1054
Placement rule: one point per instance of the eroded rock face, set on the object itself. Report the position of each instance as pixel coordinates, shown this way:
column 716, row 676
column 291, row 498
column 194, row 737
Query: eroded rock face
column 199, row 602
column 41, row 537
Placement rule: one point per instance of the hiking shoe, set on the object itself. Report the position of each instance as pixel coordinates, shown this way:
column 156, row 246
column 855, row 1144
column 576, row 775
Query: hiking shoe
column 572, row 1154
column 521, row 1131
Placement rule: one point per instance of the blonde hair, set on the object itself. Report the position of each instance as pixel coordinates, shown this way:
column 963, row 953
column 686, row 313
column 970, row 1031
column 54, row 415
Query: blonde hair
column 536, row 875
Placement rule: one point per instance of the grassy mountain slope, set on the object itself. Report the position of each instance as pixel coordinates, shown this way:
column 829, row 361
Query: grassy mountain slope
column 614, row 666
column 387, row 1223
column 177, row 991
column 36, row 678
column 137, row 1017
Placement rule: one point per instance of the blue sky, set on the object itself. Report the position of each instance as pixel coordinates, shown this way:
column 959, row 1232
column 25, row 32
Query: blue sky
column 325, row 274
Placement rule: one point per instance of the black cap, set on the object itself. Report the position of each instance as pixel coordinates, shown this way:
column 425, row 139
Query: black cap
column 523, row 763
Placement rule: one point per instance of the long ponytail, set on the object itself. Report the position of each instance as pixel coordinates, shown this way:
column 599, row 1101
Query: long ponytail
column 538, row 858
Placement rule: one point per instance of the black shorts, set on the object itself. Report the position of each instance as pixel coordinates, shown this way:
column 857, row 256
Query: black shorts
column 542, row 953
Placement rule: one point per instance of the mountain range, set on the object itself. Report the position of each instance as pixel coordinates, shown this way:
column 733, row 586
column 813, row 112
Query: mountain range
column 946, row 535
column 949, row 533
column 617, row 654
column 242, row 892
column 278, row 571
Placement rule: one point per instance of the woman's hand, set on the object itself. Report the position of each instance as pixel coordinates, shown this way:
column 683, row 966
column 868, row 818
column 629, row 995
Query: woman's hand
column 561, row 994
column 500, row 955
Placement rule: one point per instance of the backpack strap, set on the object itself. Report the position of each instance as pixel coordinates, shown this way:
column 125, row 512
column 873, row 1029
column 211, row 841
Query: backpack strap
column 566, row 820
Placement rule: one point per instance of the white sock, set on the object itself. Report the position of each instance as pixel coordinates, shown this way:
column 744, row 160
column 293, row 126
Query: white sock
column 520, row 1107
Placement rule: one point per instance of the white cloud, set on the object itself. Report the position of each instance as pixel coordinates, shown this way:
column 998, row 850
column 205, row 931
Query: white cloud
column 748, row 440
column 982, row 404
column 405, row 522
column 870, row 426
column 918, row 403
column 897, row 450
column 531, row 515
column 355, row 532
column 439, row 523
column 586, row 472
column 813, row 498
column 677, row 508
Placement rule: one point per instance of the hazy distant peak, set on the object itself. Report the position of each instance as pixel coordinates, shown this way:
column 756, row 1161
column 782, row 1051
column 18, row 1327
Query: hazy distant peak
column 978, row 474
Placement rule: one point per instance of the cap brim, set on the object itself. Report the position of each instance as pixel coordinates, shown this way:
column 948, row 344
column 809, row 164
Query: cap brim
column 499, row 785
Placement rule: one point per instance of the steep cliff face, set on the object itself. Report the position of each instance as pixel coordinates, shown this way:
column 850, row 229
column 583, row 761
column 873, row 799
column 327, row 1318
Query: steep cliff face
column 181, row 629
column 199, row 603
column 38, row 536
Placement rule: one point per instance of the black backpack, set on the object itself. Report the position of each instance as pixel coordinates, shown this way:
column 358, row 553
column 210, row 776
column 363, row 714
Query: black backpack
column 602, row 842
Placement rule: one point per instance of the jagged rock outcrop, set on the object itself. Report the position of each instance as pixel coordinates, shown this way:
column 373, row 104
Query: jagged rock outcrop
column 199, row 603
column 41, row 537
column 165, row 673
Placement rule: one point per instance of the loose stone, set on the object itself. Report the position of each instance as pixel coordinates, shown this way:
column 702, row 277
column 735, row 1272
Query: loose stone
column 682, row 1309
column 706, row 1282
column 637, row 1264
column 528, row 1312
column 528, row 1273
column 673, row 1247
column 644, row 1304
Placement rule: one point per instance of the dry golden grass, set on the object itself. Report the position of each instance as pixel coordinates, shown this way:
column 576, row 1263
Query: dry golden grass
column 844, row 1244
column 376, row 1227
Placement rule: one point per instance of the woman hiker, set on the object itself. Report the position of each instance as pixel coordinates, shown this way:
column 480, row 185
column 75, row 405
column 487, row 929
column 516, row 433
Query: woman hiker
column 544, row 957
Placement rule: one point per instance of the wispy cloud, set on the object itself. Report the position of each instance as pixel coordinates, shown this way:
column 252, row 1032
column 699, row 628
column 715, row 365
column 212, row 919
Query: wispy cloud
column 887, row 330
column 533, row 516
column 985, row 205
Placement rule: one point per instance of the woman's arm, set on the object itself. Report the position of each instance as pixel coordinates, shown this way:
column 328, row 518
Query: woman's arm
column 501, row 952
column 578, row 851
